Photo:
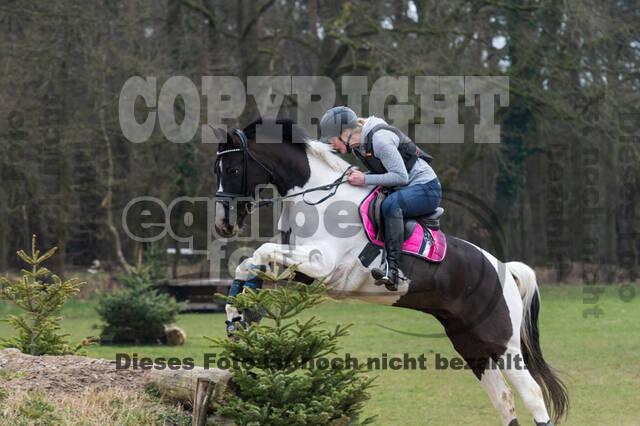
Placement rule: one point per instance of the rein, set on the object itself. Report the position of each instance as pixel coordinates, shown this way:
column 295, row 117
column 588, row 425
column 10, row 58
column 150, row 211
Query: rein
column 333, row 185
column 244, row 149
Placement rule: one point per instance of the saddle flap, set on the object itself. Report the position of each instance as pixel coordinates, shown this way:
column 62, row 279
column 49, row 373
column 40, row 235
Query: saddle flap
column 409, row 227
column 422, row 235
column 375, row 214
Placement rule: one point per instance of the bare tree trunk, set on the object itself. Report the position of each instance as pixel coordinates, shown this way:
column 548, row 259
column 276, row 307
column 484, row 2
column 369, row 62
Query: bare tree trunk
column 64, row 182
column 110, row 225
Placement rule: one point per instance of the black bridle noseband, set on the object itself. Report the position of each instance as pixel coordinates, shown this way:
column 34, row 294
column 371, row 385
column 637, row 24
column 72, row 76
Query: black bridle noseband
column 244, row 148
column 252, row 205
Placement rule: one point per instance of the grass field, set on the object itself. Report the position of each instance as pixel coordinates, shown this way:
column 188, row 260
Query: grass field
column 600, row 357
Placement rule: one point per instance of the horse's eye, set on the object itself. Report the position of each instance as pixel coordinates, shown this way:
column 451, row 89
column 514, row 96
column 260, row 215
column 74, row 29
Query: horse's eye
column 233, row 171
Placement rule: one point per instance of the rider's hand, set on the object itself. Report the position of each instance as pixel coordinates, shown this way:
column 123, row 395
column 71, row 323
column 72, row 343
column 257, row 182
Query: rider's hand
column 356, row 177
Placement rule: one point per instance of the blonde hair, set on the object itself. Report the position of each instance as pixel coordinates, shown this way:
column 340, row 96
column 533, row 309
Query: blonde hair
column 358, row 129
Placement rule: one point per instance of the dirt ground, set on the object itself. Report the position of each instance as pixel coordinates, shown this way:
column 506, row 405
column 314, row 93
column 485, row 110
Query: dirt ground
column 65, row 374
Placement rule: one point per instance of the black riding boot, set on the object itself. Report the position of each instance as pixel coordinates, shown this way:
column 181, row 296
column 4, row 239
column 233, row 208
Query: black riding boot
column 394, row 237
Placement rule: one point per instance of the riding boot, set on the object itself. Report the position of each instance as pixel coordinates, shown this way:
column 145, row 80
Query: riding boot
column 394, row 238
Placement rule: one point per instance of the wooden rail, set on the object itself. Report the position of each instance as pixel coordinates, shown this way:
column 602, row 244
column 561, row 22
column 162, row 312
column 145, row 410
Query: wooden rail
column 198, row 291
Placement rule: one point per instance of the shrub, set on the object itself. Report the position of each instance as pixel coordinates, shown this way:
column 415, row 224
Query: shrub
column 38, row 328
column 278, row 381
column 138, row 313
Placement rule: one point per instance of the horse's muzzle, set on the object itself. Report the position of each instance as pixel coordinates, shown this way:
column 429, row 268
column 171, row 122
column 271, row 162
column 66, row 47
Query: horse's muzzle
column 225, row 230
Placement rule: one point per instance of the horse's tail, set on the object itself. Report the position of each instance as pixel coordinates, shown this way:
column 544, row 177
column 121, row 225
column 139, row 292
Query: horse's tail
column 554, row 391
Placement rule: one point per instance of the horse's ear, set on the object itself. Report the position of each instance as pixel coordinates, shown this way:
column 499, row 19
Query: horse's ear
column 219, row 134
column 235, row 139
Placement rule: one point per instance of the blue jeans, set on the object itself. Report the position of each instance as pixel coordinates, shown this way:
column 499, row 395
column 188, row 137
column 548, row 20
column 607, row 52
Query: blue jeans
column 414, row 200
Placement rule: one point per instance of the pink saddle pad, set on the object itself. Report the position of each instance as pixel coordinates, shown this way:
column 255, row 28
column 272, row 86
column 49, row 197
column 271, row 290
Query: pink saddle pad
column 424, row 242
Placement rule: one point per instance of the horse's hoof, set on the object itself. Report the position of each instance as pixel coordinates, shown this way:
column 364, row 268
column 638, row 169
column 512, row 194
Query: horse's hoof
column 252, row 316
column 234, row 325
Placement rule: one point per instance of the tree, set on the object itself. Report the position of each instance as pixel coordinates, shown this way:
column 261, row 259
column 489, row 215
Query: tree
column 38, row 328
column 138, row 313
column 276, row 368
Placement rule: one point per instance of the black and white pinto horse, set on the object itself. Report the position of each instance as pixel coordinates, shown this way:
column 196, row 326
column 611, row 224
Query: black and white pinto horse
column 489, row 309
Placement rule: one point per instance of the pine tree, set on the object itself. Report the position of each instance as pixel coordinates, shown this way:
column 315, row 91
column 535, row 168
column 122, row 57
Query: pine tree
column 138, row 313
column 274, row 367
column 38, row 328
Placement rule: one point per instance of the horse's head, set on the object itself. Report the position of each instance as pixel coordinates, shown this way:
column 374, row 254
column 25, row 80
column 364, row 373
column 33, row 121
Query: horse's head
column 244, row 164
column 239, row 173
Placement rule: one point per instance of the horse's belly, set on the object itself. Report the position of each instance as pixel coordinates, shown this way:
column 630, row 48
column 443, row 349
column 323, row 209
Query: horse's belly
column 352, row 280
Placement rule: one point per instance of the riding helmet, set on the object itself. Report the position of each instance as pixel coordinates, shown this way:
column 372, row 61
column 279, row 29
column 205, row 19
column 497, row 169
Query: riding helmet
column 336, row 120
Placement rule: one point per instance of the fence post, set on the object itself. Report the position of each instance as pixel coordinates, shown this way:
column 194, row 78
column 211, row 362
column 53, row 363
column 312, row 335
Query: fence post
column 204, row 389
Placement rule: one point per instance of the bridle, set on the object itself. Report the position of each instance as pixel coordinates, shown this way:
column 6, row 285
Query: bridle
column 244, row 148
column 251, row 206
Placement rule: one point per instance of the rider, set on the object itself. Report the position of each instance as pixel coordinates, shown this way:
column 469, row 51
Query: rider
column 394, row 162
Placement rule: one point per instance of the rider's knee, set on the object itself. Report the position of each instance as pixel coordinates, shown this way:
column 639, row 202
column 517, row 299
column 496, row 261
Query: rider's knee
column 389, row 205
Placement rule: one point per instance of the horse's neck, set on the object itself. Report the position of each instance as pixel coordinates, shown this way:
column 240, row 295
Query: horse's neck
column 324, row 174
column 321, row 173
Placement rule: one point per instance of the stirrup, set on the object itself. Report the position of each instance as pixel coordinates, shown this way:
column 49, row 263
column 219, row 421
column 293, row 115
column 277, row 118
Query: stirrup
column 388, row 283
column 379, row 275
column 381, row 278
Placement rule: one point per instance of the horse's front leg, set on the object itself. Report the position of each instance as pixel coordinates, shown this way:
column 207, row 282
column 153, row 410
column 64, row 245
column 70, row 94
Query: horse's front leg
column 243, row 278
column 313, row 261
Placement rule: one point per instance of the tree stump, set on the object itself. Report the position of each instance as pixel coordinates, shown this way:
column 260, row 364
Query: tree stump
column 175, row 336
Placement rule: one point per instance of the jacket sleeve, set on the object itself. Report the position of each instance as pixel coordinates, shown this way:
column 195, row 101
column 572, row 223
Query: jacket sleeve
column 386, row 151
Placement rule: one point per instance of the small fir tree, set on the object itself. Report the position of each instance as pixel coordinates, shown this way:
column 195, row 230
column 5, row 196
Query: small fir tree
column 274, row 366
column 138, row 313
column 38, row 328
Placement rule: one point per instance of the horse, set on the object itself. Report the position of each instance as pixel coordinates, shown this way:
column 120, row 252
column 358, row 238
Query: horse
column 488, row 308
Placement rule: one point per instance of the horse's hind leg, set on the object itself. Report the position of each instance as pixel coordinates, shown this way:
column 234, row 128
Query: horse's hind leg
column 526, row 386
column 500, row 393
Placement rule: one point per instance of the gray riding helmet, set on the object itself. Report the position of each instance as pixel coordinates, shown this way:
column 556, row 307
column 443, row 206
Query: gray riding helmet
column 336, row 120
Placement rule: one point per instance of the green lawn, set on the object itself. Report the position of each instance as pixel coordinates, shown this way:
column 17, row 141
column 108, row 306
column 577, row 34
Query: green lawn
column 600, row 357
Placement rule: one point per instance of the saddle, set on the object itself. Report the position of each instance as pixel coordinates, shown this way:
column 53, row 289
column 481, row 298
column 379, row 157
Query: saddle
column 431, row 220
column 422, row 235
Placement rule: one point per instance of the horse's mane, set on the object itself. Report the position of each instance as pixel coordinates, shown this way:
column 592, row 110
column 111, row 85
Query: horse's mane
column 325, row 153
column 296, row 136
column 289, row 132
